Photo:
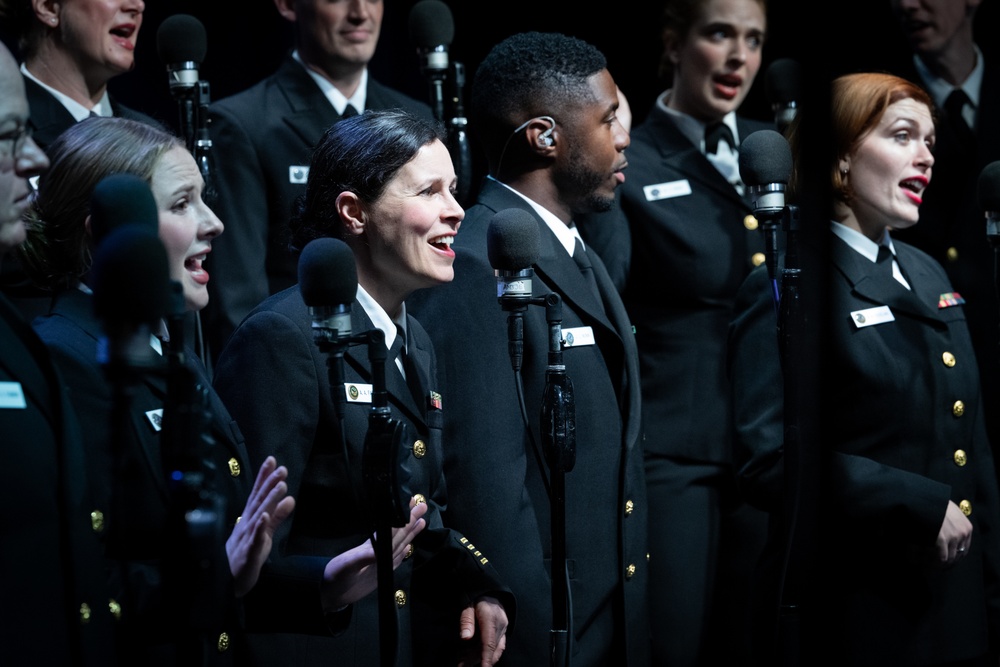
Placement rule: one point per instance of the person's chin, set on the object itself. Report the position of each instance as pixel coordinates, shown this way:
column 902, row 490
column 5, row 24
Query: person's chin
column 12, row 234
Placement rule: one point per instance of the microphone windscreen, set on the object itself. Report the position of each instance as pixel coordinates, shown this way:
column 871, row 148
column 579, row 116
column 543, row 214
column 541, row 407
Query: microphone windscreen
column 765, row 157
column 988, row 188
column 431, row 24
column 783, row 81
column 118, row 200
column 328, row 275
column 181, row 38
column 130, row 279
column 512, row 240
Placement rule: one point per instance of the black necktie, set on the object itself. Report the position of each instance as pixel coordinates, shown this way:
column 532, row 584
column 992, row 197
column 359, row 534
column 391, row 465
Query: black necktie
column 349, row 111
column 953, row 107
column 398, row 349
column 715, row 133
column 587, row 269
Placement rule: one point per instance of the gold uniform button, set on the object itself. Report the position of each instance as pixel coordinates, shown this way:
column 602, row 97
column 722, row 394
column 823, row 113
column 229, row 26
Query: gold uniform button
column 960, row 458
column 630, row 571
column 223, row 643
column 418, row 498
column 419, row 449
column 97, row 520
column 84, row 613
column 966, row 507
column 949, row 359
column 757, row 259
column 647, row 556
column 400, row 598
column 958, row 409
column 115, row 609
column 234, row 467
column 952, row 254
column 629, row 507
column 750, row 223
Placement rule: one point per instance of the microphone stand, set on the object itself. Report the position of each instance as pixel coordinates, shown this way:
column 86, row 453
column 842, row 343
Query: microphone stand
column 558, row 431
column 458, row 137
column 195, row 567
column 558, row 426
column 380, row 463
column 800, row 463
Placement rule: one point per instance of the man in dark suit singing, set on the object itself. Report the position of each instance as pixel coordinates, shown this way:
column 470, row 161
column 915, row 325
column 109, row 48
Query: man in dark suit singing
column 545, row 106
column 963, row 80
column 56, row 607
column 263, row 138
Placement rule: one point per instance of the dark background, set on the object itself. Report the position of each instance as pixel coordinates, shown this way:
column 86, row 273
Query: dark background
column 247, row 39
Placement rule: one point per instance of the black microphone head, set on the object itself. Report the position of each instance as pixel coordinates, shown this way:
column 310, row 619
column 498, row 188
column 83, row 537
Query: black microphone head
column 328, row 275
column 783, row 81
column 431, row 24
column 181, row 38
column 988, row 187
column 130, row 279
column 765, row 157
column 512, row 240
column 118, row 200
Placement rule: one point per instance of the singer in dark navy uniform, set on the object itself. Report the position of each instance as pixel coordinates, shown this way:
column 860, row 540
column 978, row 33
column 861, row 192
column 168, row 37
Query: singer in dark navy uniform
column 693, row 241
column 132, row 495
column 562, row 146
column 963, row 79
column 66, row 79
column 55, row 599
column 908, row 569
column 383, row 181
column 262, row 140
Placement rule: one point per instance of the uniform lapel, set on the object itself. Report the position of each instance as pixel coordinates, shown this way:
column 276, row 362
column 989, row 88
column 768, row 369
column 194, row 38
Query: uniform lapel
column 78, row 308
column 311, row 113
column 860, row 272
column 679, row 155
column 398, row 391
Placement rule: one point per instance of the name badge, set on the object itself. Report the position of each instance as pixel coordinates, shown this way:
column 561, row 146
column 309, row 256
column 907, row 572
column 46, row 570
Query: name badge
column 871, row 316
column 155, row 418
column 298, row 173
column 577, row 336
column 358, row 393
column 667, row 190
column 12, row 396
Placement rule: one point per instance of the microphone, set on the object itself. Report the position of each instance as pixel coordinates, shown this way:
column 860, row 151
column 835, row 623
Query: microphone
column 765, row 167
column 119, row 200
column 783, row 88
column 512, row 242
column 431, row 30
column 131, row 283
column 328, row 282
column 988, row 194
column 181, row 43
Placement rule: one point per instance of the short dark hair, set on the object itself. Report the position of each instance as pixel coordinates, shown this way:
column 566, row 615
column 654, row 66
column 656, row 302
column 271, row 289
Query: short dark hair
column 360, row 154
column 530, row 74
